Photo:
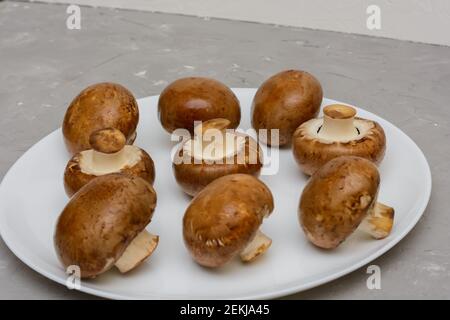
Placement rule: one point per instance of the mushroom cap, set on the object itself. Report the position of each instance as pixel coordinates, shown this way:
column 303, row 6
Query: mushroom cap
column 193, row 176
column 101, row 220
column 224, row 217
column 337, row 198
column 75, row 178
column 311, row 152
column 285, row 101
column 187, row 100
column 102, row 105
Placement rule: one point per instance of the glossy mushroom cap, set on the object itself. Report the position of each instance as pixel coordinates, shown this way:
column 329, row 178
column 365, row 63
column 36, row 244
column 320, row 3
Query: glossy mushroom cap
column 187, row 100
column 101, row 221
column 285, row 101
column 109, row 155
column 338, row 133
column 224, row 218
column 102, row 105
column 193, row 173
column 338, row 198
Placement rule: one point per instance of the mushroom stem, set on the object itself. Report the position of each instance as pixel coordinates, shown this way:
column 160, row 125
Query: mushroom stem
column 218, row 124
column 108, row 161
column 108, row 149
column 207, row 132
column 379, row 221
column 338, row 123
column 212, row 142
column 256, row 247
column 109, row 153
column 137, row 251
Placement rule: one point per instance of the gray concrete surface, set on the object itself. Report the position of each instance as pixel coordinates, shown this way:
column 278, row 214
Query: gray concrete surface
column 43, row 65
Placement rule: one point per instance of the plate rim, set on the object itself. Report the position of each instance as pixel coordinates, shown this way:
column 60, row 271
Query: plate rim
column 15, row 249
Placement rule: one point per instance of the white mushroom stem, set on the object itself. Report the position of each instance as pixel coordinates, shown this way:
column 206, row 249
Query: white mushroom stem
column 108, row 160
column 99, row 163
column 109, row 153
column 256, row 247
column 379, row 221
column 338, row 124
column 137, row 251
column 212, row 142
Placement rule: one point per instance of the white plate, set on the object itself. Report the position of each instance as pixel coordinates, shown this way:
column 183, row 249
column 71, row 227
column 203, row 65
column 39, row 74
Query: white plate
column 32, row 196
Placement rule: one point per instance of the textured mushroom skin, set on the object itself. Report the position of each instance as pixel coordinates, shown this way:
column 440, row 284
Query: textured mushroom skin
column 193, row 177
column 75, row 178
column 311, row 153
column 102, row 105
column 101, row 220
column 224, row 217
column 336, row 199
column 196, row 99
column 285, row 101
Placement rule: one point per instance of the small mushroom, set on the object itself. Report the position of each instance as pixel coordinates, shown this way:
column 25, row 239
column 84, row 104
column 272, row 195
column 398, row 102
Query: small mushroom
column 187, row 100
column 215, row 151
column 283, row 102
column 103, row 225
column 109, row 154
column 223, row 220
column 338, row 133
column 340, row 197
column 102, row 105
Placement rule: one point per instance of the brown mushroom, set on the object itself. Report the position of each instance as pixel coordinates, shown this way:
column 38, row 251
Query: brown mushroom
column 215, row 151
column 338, row 133
column 340, row 197
column 102, row 105
column 103, row 225
column 187, row 100
column 109, row 155
column 223, row 220
column 283, row 102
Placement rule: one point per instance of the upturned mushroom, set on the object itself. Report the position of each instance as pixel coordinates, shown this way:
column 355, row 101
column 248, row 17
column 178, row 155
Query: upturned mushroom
column 109, row 154
column 187, row 100
column 338, row 133
column 103, row 225
column 341, row 197
column 215, row 151
column 283, row 102
column 224, row 219
column 102, row 105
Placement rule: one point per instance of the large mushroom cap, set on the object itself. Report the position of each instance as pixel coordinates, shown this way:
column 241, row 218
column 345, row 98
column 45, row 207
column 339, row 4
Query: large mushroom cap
column 187, row 100
column 225, row 217
column 101, row 221
column 337, row 198
column 102, row 105
column 109, row 155
column 195, row 171
column 285, row 101
column 338, row 133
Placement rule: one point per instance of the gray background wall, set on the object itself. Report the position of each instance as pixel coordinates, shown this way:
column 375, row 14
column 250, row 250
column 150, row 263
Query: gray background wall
column 425, row 21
